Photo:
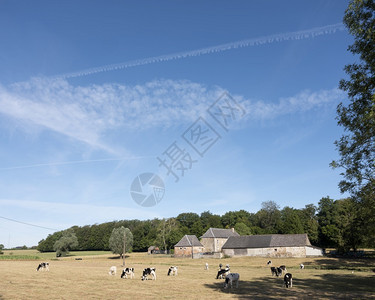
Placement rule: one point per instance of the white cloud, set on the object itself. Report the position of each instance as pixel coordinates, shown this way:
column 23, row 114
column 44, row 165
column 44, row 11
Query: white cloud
column 87, row 113
column 302, row 102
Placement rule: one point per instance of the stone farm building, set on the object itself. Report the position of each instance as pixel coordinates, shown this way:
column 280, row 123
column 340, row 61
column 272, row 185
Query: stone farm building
column 153, row 250
column 188, row 246
column 215, row 238
column 271, row 245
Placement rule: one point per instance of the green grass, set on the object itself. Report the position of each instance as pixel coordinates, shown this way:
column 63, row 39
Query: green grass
column 32, row 254
column 19, row 257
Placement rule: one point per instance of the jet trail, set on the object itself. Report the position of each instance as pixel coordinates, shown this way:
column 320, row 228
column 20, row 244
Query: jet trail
column 74, row 162
column 276, row 38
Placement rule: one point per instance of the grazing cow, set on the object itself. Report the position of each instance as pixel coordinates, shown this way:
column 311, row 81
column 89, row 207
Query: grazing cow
column 276, row 271
column 301, row 266
column 222, row 273
column 44, row 266
column 206, row 267
column 127, row 272
column 269, row 262
column 172, row 271
column 112, row 270
column 230, row 278
column 283, row 269
column 288, row 281
column 149, row 271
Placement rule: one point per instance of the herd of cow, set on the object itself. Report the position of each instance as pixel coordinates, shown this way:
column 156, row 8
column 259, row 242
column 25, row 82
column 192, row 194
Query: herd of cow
column 225, row 273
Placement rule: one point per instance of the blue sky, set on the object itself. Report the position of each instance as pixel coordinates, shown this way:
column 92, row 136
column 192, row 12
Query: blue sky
column 93, row 92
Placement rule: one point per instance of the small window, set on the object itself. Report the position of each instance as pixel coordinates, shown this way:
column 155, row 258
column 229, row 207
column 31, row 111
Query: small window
column 184, row 248
column 275, row 249
column 180, row 248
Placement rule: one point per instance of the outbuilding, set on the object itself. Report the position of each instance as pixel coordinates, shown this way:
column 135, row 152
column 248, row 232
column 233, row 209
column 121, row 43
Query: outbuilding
column 188, row 246
column 271, row 245
column 153, row 250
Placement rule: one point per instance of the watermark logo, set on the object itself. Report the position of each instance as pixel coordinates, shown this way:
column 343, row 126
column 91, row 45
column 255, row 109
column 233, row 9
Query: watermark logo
column 147, row 189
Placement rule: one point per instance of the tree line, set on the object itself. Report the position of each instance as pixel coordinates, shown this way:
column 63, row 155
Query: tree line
column 331, row 224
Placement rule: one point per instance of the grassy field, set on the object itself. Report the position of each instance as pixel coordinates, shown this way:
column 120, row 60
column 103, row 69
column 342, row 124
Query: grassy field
column 36, row 255
column 68, row 278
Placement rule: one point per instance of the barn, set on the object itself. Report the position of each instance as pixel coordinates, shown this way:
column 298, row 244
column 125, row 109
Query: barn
column 153, row 250
column 271, row 245
column 188, row 246
column 215, row 238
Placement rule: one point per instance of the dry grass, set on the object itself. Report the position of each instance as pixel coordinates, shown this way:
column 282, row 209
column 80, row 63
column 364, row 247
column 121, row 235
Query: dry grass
column 88, row 279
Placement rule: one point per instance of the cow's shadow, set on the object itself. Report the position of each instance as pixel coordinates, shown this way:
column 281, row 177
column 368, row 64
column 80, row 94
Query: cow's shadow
column 364, row 264
column 335, row 286
column 118, row 257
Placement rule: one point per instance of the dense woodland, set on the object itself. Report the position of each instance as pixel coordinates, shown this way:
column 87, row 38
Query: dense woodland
column 331, row 224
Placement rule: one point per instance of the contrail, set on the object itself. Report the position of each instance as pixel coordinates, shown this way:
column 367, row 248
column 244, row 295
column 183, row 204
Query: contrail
column 289, row 36
column 75, row 162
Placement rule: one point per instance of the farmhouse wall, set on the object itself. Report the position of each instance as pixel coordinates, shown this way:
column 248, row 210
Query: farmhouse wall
column 314, row 251
column 269, row 252
column 213, row 244
column 187, row 251
column 208, row 244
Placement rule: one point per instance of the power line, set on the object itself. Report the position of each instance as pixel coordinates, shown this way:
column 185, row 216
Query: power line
column 29, row 224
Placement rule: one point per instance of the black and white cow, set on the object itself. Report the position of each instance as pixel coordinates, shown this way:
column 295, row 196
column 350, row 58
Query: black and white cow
column 173, row 271
column 276, row 271
column 127, row 272
column 230, row 278
column 206, row 266
column 283, row 269
column 288, row 281
column 147, row 272
column 222, row 273
column 269, row 262
column 44, row 266
column 301, row 266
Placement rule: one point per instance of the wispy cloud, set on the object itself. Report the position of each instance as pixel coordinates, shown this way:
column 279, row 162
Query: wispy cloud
column 87, row 113
column 302, row 102
column 275, row 38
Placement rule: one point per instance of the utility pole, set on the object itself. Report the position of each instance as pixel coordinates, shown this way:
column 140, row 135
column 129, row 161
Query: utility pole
column 123, row 251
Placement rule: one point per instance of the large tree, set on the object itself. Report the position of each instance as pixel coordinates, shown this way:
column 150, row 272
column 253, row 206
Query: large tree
column 357, row 145
column 310, row 223
column 65, row 243
column 269, row 217
column 167, row 234
column 339, row 226
column 290, row 221
column 116, row 241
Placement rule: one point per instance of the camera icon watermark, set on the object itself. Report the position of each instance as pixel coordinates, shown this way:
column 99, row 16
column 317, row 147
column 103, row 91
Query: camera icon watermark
column 147, row 189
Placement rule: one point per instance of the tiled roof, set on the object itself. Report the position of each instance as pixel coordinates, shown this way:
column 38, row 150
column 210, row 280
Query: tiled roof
column 266, row 241
column 189, row 241
column 219, row 233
